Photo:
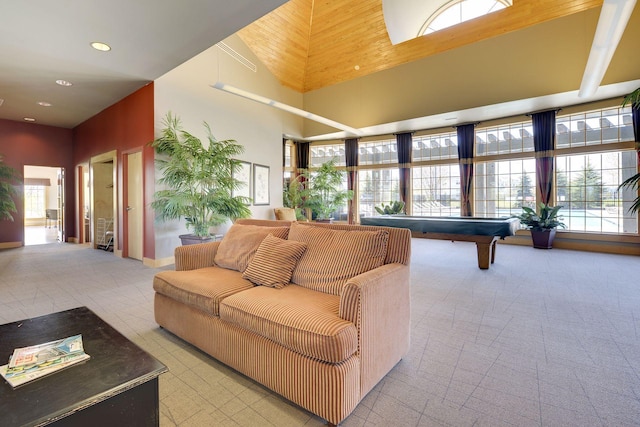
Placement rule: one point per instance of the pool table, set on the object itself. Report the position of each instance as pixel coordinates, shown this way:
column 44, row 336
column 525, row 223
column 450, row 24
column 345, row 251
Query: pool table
column 484, row 231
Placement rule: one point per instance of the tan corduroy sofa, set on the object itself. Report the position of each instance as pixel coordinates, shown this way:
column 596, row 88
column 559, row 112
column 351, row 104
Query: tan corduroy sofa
column 318, row 313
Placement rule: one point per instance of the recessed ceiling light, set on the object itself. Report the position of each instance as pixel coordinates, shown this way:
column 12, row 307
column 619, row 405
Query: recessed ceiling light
column 102, row 47
column 29, row 119
column 44, row 103
column 63, row 83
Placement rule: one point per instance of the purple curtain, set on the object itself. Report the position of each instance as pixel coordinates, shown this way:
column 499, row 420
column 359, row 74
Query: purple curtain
column 466, row 137
column 351, row 159
column 404, row 142
column 544, row 142
column 302, row 155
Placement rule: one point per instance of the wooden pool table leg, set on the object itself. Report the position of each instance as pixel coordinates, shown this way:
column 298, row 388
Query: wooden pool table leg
column 493, row 250
column 484, row 254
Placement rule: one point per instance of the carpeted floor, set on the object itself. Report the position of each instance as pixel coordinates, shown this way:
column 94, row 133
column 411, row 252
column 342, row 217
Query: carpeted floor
column 542, row 338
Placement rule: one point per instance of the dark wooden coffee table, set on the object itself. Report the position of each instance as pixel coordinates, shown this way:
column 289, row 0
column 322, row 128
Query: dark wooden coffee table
column 118, row 386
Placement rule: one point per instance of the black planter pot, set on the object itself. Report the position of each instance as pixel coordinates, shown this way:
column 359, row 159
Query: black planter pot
column 543, row 239
column 192, row 239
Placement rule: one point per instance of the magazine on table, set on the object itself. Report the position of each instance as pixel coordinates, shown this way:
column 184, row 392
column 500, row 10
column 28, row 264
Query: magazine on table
column 29, row 363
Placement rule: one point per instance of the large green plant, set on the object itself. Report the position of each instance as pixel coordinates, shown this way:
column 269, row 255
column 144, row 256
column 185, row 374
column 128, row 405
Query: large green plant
column 200, row 181
column 546, row 219
column 633, row 182
column 8, row 179
column 393, row 208
column 323, row 192
column 292, row 196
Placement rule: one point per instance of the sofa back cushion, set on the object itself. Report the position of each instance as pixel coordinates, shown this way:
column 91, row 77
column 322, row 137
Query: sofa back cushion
column 241, row 242
column 334, row 256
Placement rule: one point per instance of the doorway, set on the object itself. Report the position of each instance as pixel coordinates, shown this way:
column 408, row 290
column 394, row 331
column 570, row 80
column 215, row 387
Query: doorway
column 43, row 205
column 103, row 217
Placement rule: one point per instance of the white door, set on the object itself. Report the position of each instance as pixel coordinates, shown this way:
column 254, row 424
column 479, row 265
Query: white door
column 134, row 205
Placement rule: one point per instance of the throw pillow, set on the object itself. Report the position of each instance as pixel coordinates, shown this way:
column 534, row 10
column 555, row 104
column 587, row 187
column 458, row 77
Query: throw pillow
column 241, row 242
column 274, row 262
column 285, row 214
column 334, row 256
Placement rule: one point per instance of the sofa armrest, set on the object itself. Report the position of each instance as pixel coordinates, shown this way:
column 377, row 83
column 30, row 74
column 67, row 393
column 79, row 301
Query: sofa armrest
column 192, row 257
column 378, row 302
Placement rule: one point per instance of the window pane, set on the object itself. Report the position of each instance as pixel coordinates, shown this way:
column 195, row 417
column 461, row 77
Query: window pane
column 431, row 147
column 594, row 128
column 378, row 152
column 461, row 11
column 287, row 155
column 34, row 201
column 587, row 187
column 511, row 138
column 436, row 190
column 503, row 187
column 319, row 154
column 376, row 187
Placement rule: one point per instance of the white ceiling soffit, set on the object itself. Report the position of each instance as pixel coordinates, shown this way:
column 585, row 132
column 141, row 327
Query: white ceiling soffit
column 613, row 20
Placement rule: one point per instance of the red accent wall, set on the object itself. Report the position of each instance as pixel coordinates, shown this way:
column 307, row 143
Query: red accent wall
column 37, row 145
column 126, row 126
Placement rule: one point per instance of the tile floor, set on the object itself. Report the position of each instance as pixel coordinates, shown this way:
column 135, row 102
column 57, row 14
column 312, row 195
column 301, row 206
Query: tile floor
column 542, row 338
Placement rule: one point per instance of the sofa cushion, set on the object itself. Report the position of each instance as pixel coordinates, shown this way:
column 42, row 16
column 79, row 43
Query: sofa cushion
column 297, row 318
column 334, row 256
column 285, row 214
column 203, row 288
column 241, row 242
column 274, row 262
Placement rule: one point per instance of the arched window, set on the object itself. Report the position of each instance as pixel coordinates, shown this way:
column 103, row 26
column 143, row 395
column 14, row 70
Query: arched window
column 457, row 11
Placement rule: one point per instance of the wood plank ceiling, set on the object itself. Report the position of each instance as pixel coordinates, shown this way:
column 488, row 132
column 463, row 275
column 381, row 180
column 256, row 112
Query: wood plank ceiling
column 311, row 44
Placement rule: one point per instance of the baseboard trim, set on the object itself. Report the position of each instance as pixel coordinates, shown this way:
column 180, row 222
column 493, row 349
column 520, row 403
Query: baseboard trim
column 156, row 263
column 10, row 245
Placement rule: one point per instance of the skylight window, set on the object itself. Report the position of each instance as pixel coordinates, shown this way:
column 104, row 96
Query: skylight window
column 458, row 11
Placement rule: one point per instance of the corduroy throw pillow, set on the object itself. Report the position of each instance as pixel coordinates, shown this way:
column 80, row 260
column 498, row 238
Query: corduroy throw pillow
column 274, row 262
column 241, row 242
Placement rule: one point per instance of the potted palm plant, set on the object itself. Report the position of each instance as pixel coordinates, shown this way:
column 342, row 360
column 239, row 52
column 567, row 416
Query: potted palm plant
column 633, row 182
column 8, row 177
column 292, row 197
column 199, row 181
column 393, row 208
column 543, row 224
column 323, row 192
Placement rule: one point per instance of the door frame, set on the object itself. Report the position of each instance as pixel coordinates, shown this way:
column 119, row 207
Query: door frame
column 125, row 200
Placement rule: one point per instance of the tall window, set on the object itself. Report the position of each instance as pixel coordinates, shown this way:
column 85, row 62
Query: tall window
column 587, row 187
column 458, row 11
column 34, row 201
column 377, row 186
column 436, row 190
column 586, row 180
column 502, row 188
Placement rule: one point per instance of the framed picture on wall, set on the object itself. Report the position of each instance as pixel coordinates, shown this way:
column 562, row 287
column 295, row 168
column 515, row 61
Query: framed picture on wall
column 260, row 185
column 243, row 174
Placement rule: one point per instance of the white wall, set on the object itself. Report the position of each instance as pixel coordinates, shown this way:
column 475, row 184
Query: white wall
column 186, row 91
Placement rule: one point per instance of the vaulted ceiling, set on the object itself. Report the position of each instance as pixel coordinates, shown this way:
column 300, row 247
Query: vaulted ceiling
column 311, row 44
